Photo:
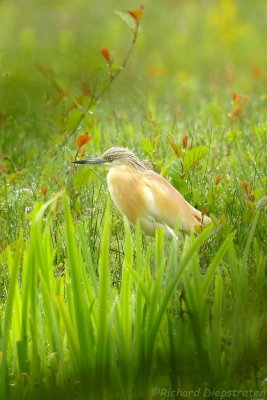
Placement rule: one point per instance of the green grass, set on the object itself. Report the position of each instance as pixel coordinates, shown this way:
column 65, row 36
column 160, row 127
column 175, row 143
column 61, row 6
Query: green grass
column 76, row 334
column 89, row 307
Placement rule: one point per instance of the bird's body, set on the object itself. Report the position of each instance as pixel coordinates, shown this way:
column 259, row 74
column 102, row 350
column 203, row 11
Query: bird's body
column 145, row 196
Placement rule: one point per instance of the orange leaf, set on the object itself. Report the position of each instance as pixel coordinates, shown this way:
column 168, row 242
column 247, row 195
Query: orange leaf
column 137, row 14
column 106, row 54
column 256, row 72
column 237, row 102
column 44, row 191
column 3, row 168
column 235, row 96
column 185, row 141
column 245, row 186
column 83, row 139
column 218, row 180
column 54, row 178
column 83, row 152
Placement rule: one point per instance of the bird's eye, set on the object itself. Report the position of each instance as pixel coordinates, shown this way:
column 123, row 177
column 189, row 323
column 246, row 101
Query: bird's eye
column 110, row 159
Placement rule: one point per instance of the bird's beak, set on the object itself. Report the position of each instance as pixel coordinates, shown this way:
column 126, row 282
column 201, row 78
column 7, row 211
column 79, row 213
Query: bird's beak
column 98, row 160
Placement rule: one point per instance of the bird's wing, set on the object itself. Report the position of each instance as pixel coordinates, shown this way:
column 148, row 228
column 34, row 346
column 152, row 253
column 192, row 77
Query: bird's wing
column 167, row 206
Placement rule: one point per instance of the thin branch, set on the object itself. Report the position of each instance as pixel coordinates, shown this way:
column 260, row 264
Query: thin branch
column 95, row 97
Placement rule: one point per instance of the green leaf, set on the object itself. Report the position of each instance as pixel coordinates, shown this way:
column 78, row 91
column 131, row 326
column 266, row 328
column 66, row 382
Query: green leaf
column 177, row 149
column 175, row 173
column 127, row 19
column 115, row 69
column 147, row 147
column 175, row 169
column 165, row 169
column 193, row 156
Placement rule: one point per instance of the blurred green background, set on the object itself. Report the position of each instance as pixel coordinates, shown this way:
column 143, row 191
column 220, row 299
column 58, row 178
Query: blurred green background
column 189, row 58
column 192, row 60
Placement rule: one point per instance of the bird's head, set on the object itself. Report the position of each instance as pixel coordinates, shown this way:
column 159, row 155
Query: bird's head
column 115, row 157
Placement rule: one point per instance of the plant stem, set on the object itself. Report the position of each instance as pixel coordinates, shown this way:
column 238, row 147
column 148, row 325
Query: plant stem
column 95, row 97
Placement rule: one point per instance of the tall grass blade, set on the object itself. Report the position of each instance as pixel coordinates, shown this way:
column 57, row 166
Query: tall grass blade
column 8, row 315
column 102, row 363
column 81, row 311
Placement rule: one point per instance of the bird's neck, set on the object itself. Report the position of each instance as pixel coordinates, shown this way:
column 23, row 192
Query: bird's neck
column 123, row 170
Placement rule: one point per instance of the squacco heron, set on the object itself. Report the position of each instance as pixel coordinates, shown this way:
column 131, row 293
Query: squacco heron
column 145, row 196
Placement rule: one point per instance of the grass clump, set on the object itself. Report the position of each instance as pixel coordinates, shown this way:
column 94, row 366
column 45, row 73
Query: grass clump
column 167, row 326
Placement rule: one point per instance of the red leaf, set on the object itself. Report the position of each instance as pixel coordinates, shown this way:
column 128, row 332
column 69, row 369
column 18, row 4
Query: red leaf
column 106, row 54
column 44, row 191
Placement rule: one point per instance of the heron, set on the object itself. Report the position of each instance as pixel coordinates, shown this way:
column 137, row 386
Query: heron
column 145, row 196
